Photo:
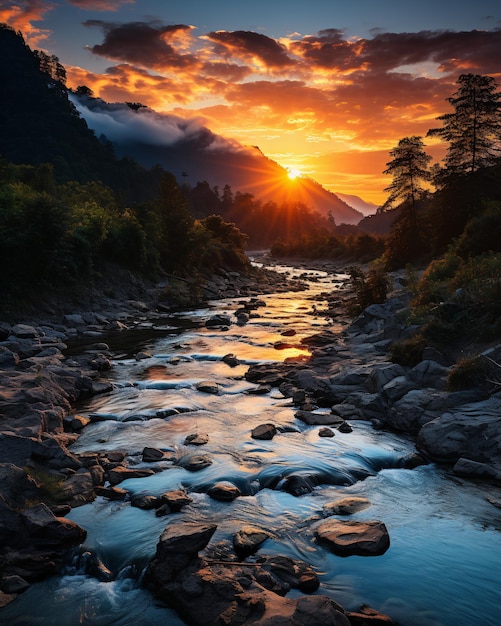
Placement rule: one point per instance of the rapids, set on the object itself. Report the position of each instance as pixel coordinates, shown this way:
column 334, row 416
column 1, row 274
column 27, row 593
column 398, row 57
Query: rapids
column 442, row 568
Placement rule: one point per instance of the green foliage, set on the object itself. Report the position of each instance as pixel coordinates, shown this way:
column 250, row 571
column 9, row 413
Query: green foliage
column 370, row 288
column 482, row 233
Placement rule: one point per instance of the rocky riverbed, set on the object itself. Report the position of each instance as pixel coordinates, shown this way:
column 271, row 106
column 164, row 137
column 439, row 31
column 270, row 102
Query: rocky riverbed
column 349, row 373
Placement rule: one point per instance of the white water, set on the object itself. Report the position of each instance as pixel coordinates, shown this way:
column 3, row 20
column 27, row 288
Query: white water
column 442, row 568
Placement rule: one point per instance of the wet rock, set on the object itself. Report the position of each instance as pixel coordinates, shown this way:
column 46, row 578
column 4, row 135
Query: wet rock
column 344, row 427
column 260, row 390
column 196, row 439
column 208, row 386
column 75, row 423
column 146, row 502
column 176, row 499
column 112, row 493
column 218, row 321
column 346, row 538
column 346, row 506
column 195, row 463
column 300, row 484
column 326, row 432
column 248, row 540
column 288, row 333
column 366, row 616
column 297, row 574
column 152, row 455
column 413, row 460
column 142, row 356
column 25, row 331
column 224, row 491
column 318, row 419
column 120, row 473
column 264, row 431
column 78, row 488
column 231, row 360
column 98, row 388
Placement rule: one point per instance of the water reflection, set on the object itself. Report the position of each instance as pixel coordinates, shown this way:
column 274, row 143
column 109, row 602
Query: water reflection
column 445, row 541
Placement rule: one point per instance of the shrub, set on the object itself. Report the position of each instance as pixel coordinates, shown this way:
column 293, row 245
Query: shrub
column 370, row 288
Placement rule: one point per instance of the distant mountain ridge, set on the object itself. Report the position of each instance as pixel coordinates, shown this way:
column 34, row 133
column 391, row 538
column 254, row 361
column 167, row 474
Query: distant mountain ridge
column 366, row 208
column 193, row 153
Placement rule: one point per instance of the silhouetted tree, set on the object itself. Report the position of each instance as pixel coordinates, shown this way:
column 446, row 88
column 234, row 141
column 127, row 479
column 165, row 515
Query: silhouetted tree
column 409, row 168
column 473, row 130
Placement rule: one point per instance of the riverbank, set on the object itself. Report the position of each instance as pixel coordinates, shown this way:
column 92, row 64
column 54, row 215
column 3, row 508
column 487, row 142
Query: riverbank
column 337, row 376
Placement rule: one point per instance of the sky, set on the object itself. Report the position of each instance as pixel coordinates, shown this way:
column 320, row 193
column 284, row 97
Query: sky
column 324, row 87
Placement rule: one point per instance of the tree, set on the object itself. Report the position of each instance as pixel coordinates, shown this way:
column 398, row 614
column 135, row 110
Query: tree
column 409, row 168
column 473, row 130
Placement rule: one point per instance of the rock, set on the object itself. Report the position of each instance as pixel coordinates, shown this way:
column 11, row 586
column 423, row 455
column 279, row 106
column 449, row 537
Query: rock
column 195, row 463
column 208, row 386
column 366, row 616
column 300, row 484
column 75, row 423
column 78, row 488
column 325, row 432
column 146, row 502
column 224, row 491
column 25, row 331
column 318, row 419
column 100, row 387
column 346, row 538
column 382, row 374
column 44, row 529
column 264, row 431
column 112, row 493
column 218, row 321
column 231, row 360
column 142, row 356
column 474, row 469
column 346, row 506
column 178, row 544
column 260, row 390
column 471, row 431
column 429, row 374
column 152, row 455
column 196, row 439
column 14, row 584
column 344, row 427
column 120, row 473
column 411, row 412
column 176, row 499
column 248, row 540
column 397, row 388
column 296, row 574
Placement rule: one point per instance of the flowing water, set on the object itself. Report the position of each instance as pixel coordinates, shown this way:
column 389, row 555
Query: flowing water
column 444, row 563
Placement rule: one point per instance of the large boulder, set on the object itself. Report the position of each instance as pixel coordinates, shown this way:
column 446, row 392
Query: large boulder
column 471, row 431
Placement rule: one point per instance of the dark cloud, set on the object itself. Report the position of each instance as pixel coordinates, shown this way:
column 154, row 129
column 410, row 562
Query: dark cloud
column 450, row 51
column 100, row 5
column 250, row 44
column 147, row 44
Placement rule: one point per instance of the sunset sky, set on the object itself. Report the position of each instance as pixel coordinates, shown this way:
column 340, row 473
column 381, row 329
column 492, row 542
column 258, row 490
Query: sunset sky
column 326, row 87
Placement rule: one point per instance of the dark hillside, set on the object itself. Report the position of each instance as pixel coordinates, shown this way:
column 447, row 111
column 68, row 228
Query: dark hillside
column 38, row 124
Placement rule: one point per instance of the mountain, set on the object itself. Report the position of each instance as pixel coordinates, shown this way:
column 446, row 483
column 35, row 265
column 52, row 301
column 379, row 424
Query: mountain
column 193, row 153
column 39, row 124
column 366, row 208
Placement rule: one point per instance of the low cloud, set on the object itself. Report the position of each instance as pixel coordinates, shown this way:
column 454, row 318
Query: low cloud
column 125, row 125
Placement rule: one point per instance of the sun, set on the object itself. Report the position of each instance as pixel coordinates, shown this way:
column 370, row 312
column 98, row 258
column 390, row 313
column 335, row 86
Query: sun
column 293, row 173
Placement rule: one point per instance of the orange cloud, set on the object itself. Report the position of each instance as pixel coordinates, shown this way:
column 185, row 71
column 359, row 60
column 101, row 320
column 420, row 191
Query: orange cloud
column 21, row 16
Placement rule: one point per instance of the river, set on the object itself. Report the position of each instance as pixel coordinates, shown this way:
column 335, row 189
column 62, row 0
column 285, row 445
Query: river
column 443, row 565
